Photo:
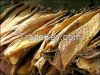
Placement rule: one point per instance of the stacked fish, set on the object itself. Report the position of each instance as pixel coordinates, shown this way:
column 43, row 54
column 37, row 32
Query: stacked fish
column 35, row 40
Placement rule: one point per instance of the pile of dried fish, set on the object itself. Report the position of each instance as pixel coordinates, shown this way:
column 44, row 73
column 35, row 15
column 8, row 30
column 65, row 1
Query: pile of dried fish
column 37, row 41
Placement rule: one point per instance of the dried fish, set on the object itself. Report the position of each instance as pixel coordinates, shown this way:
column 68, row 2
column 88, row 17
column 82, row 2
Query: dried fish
column 36, row 40
column 69, row 48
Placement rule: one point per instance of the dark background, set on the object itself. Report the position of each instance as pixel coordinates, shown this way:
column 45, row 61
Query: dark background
column 54, row 4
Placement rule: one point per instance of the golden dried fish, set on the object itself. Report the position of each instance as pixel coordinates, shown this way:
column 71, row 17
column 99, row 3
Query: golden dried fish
column 71, row 27
column 18, row 19
column 69, row 48
column 68, row 29
column 4, row 25
column 28, row 43
column 28, row 27
column 38, row 42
